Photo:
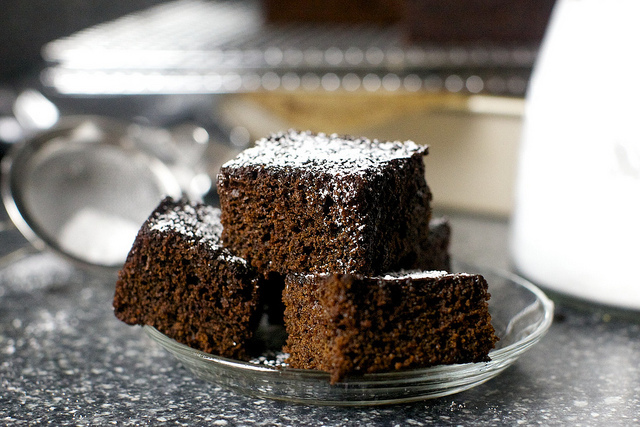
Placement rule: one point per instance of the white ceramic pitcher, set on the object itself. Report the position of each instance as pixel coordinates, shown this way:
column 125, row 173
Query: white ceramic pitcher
column 576, row 223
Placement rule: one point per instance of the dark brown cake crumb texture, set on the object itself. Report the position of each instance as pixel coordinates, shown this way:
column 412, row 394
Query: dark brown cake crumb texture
column 310, row 218
column 353, row 324
column 191, row 290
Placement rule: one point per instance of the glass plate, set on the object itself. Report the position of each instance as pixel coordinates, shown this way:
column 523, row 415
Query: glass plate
column 521, row 314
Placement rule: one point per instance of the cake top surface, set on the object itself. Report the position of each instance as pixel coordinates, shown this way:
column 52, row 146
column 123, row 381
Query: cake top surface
column 187, row 218
column 195, row 221
column 418, row 274
column 399, row 275
column 331, row 154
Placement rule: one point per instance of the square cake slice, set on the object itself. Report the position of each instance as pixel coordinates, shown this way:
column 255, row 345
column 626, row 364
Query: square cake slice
column 180, row 280
column 304, row 202
column 345, row 324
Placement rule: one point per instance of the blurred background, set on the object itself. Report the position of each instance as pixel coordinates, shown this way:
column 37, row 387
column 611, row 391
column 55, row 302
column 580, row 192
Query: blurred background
column 452, row 75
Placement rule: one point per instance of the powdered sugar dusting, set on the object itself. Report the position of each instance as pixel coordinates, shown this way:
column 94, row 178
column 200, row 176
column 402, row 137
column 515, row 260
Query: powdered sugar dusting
column 189, row 219
column 416, row 275
column 400, row 275
column 331, row 154
column 196, row 221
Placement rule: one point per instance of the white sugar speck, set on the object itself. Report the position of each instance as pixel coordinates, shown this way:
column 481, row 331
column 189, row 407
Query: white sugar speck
column 416, row 274
column 195, row 221
column 332, row 154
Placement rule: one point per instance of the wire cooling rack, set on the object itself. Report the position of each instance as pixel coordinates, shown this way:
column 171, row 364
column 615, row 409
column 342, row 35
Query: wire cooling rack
column 198, row 46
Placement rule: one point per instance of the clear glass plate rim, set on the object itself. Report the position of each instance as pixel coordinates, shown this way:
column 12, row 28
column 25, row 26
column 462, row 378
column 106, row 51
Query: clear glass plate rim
column 499, row 357
column 434, row 372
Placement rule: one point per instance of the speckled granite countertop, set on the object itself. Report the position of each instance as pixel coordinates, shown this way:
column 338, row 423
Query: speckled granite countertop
column 66, row 360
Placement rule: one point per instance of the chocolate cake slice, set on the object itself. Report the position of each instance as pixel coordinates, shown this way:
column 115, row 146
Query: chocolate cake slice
column 179, row 279
column 304, row 202
column 349, row 323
